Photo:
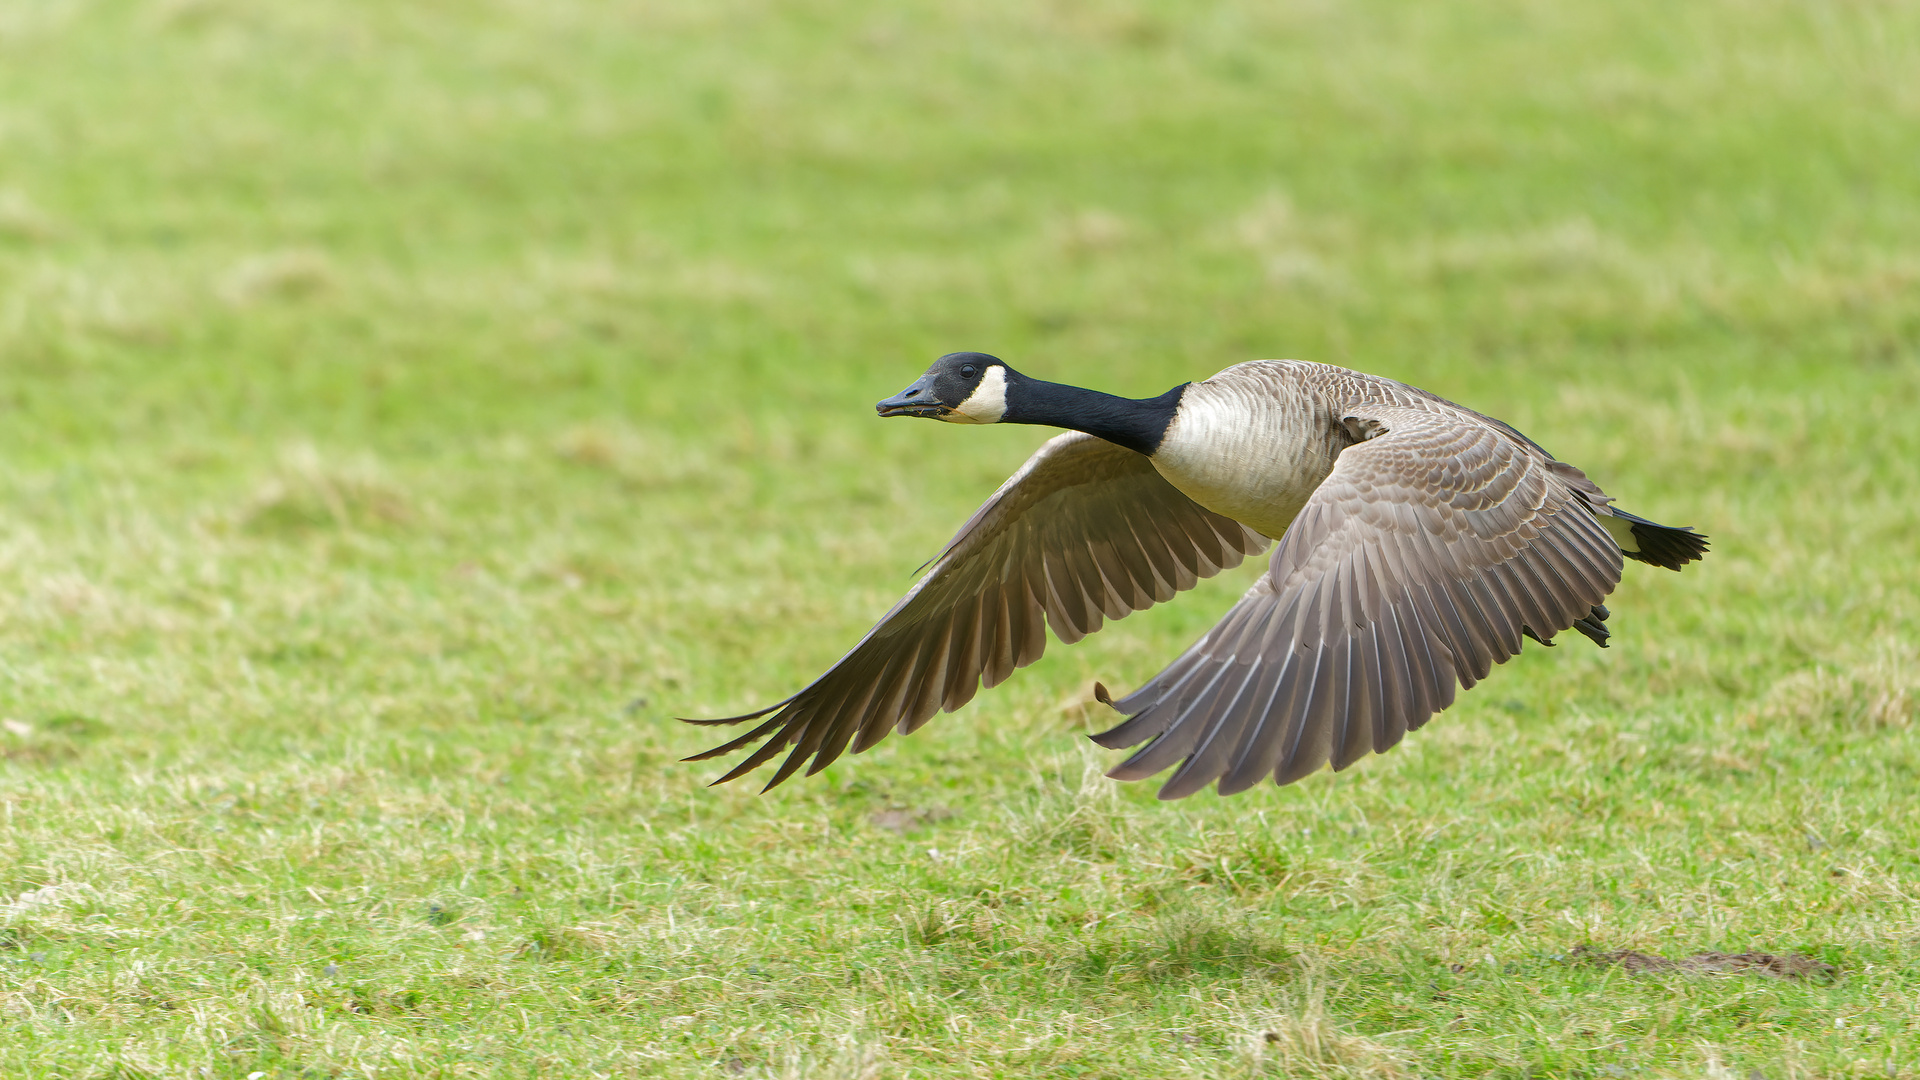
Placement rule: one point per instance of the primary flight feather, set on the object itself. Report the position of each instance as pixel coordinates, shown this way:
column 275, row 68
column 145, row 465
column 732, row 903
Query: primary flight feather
column 1418, row 541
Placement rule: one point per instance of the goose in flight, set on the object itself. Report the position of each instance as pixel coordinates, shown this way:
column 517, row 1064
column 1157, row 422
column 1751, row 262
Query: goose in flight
column 1418, row 541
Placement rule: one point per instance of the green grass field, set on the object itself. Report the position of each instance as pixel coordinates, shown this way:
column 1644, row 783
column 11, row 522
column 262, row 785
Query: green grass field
column 407, row 410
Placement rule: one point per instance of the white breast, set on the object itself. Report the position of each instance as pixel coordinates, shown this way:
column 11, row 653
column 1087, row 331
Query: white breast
column 1250, row 443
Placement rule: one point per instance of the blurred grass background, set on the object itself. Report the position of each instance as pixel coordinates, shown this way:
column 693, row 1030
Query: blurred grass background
column 405, row 410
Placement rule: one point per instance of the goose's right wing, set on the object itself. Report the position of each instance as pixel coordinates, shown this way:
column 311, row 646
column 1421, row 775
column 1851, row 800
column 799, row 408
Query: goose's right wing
column 1415, row 566
column 1085, row 531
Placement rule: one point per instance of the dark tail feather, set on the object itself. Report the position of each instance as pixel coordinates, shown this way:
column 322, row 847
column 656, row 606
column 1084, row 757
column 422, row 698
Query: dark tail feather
column 1664, row 545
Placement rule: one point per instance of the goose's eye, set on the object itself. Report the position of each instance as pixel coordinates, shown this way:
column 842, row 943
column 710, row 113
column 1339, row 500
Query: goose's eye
column 967, row 372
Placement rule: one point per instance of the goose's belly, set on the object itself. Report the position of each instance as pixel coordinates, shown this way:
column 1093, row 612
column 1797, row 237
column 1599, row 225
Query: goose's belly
column 1258, row 469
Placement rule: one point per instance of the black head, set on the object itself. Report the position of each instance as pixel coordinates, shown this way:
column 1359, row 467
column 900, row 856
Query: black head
column 960, row 388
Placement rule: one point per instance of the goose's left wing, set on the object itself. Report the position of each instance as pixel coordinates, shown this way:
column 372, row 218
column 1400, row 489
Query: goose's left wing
column 1085, row 531
column 1417, row 564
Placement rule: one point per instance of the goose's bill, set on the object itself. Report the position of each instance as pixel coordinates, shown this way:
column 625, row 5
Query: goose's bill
column 915, row 400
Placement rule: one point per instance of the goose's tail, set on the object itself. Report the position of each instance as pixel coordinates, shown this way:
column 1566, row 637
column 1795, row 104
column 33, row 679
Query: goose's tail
column 1650, row 542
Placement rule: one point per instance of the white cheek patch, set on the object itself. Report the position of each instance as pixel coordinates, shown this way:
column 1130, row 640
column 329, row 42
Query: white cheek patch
column 988, row 402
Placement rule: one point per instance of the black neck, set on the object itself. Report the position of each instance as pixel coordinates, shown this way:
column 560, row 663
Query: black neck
column 1137, row 424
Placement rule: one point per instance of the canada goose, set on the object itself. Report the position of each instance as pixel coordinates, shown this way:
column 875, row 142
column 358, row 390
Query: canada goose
column 1418, row 541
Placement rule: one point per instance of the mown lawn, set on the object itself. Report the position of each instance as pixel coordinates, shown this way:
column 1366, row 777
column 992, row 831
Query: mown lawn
column 407, row 410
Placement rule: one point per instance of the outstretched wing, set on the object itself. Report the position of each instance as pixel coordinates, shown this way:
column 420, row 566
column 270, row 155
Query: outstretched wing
column 1085, row 531
column 1417, row 564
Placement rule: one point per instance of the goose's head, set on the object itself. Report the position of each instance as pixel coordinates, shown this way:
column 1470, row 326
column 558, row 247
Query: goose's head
column 960, row 388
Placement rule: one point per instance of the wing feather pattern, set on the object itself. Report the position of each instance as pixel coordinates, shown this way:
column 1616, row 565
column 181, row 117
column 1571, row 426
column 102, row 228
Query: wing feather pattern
column 1086, row 531
column 1417, row 565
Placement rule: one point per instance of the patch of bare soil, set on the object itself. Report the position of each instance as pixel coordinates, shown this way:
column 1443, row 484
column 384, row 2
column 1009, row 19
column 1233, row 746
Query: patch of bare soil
column 1788, row 966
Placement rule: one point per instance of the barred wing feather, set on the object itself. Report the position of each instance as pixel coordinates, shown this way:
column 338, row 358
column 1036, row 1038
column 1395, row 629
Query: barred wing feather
column 1414, row 567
